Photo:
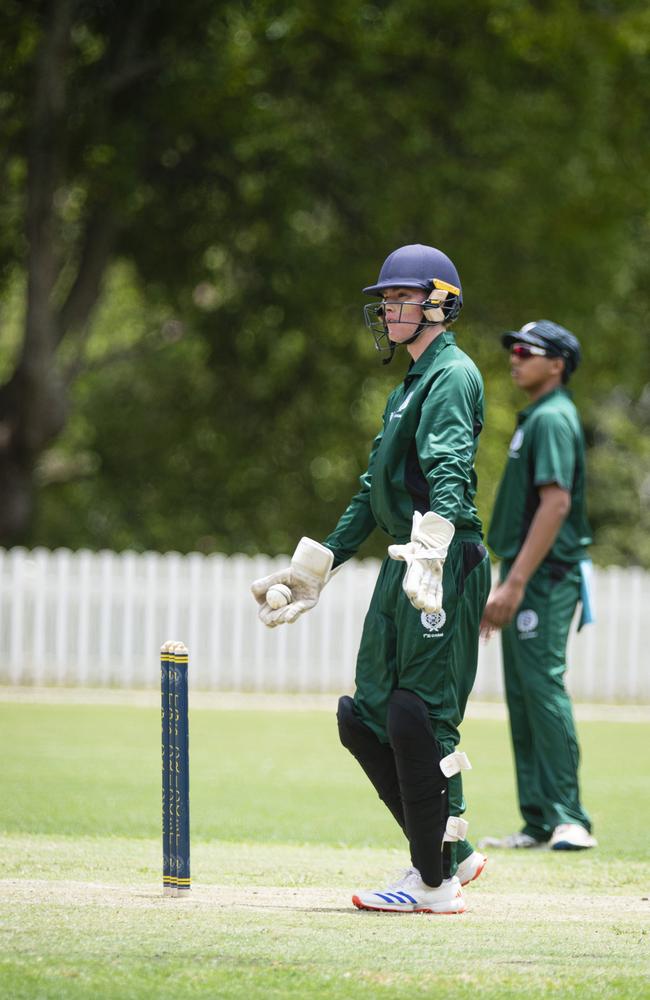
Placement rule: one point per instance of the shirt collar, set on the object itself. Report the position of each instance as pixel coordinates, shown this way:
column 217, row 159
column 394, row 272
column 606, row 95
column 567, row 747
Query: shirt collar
column 426, row 358
column 559, row 390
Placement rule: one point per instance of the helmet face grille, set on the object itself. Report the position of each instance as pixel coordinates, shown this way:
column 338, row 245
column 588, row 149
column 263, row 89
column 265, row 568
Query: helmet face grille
column 373, row 314
column 375, row 318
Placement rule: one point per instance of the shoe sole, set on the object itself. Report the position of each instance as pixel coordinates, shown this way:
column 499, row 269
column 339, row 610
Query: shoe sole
column 500, row 846
column 360, row 905
column 562, row 845
column 476, row 873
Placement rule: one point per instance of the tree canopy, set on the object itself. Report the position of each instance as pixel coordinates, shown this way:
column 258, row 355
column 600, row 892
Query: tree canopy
column 193, row 197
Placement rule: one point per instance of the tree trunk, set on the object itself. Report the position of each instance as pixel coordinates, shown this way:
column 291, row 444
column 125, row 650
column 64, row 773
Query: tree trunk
column 32, row 404
column 32, row 413
column 17, row 506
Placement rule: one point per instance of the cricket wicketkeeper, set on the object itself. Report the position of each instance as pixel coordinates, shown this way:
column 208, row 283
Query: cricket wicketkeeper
column 418, row 655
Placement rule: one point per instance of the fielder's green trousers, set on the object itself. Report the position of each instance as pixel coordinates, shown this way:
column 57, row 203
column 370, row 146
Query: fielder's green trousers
column 434, row 656
column 544, row 741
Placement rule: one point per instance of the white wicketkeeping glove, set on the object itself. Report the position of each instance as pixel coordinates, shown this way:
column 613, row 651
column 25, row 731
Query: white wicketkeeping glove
column 308, row 573
column 425, row 556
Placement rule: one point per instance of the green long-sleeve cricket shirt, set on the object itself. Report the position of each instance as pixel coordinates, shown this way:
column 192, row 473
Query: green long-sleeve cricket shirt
column 547, row 447
column 423, row 458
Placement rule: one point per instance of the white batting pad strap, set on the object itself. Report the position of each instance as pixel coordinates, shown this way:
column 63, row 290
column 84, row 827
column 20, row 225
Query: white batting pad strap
column 456, row 829
column 313, row 560
column 455, row 762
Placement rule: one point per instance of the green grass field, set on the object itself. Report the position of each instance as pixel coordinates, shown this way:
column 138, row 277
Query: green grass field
column 284, row 827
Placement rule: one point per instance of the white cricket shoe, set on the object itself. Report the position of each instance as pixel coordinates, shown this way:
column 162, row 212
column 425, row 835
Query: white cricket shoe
column 471, row 867
column 513, row 840
column 411, row 895
column 571, row 837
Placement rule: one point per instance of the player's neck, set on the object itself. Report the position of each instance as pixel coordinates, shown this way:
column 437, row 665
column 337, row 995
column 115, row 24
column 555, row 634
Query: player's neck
column 535, row 392
column 426, row 338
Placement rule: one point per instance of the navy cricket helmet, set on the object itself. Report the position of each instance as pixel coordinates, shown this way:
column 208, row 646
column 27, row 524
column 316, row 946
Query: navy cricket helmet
column 556, row 340
column 419, row 266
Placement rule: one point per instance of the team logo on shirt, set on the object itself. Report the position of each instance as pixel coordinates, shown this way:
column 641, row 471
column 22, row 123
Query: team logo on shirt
column 433, row 624
column 527, row 622
column 398, row 412
column 516, row 443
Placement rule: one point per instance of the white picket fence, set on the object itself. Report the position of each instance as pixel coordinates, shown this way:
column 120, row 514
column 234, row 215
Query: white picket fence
column 98, row 619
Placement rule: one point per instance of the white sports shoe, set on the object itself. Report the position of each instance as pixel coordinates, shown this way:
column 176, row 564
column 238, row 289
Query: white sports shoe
column 411, row 895
column 571, row 837
column 471, row 867
column 516, row 840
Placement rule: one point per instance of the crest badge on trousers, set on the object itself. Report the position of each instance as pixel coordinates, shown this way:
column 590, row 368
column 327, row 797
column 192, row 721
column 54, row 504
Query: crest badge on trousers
column 433, row 623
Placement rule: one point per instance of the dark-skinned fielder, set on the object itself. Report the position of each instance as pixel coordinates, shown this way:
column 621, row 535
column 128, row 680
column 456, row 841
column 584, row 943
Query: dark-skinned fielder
column 540, row 532
column 417, row 659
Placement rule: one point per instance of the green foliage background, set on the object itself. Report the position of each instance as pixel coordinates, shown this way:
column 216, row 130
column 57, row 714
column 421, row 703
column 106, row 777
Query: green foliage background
column 228, row 393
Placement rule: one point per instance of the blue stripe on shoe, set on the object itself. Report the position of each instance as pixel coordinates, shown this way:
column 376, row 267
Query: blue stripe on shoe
column 396, row 897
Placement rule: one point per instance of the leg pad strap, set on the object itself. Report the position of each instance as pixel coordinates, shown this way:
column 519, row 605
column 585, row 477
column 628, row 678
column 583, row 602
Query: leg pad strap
column 455, row 762
column 456, row 829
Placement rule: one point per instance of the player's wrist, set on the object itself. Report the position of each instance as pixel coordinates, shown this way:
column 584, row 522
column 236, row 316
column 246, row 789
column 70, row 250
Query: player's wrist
column 516, row 580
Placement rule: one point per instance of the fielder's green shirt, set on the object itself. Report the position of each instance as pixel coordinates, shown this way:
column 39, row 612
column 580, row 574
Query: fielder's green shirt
column 547, row 447
column 423, row 458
